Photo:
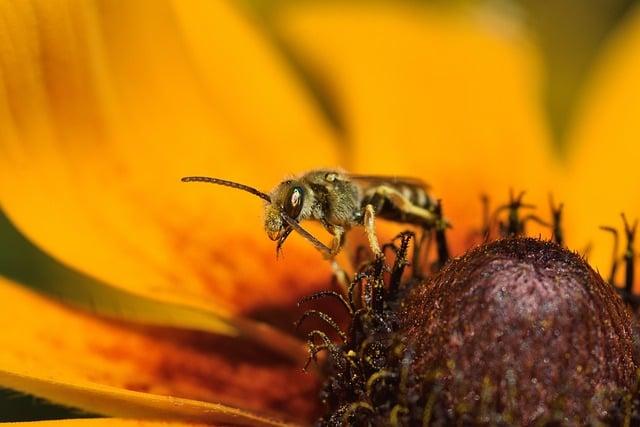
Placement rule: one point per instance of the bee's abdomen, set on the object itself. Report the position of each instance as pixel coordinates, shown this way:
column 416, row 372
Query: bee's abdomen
column 417, row 195
column 384, row 208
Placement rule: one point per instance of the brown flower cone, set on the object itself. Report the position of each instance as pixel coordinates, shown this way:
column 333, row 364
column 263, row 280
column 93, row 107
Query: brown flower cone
column 522, row 328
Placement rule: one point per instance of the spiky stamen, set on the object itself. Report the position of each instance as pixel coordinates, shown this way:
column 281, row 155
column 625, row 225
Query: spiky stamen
column 325, row 318
column 628, row 258
column 556, row 221
column 327, row 294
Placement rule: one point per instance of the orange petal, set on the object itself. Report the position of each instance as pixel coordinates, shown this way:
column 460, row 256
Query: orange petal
column 603, row 147
column 43, row 341
column 102, row 299
column 449, row 97
column 105, row 105
column 124, row 403
column 101, row 422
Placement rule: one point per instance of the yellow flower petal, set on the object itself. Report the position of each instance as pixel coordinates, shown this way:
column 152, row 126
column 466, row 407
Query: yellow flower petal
column 451, row 98
column 48, row 342
column 263, row 102
column 603, row 147
column 104, row 106
column 124, row 403
column 100, row 422
column 102, row 299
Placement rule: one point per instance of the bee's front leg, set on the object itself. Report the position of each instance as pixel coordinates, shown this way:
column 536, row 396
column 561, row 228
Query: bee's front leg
column 338, row 239
column 370, row 229
column 337, row 242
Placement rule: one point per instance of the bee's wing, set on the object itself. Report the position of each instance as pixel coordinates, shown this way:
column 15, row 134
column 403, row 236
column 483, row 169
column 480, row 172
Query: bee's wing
column 390, row 179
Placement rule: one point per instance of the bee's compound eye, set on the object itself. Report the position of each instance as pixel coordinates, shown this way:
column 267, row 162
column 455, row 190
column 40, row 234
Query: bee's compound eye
column 294, row 202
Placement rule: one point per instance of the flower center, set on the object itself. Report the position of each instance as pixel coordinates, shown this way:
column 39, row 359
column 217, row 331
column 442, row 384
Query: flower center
column 516, row 331
column 520, row 330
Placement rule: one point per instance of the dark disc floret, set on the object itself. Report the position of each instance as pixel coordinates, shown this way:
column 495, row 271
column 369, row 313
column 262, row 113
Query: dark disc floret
column 518, row 331
column 521, row 331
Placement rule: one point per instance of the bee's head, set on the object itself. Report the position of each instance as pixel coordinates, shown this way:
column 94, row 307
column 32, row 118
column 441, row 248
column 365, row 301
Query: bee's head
column 287, row 198
column 286, row 205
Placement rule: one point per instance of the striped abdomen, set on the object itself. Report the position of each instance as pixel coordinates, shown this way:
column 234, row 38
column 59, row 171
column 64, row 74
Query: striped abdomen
column 384, row 208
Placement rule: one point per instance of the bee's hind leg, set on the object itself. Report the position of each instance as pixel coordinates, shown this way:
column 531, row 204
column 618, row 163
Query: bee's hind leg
column 404, row 204
column 432, row 219
column 370, row 229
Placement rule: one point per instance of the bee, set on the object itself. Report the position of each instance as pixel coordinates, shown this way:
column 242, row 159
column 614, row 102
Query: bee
column 340, row 201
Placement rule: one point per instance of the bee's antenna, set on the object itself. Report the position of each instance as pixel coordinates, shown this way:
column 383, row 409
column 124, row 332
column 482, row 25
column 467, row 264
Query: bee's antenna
column 226, row 183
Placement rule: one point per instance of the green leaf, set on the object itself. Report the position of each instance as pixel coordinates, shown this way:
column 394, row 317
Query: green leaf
column 16, row 407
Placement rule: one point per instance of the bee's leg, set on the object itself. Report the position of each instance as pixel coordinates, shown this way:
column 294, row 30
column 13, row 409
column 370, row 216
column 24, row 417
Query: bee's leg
column 370, row 229
column 338, row 239
column 326, row 252
column 339, row 234
column 404, row 204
